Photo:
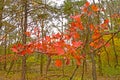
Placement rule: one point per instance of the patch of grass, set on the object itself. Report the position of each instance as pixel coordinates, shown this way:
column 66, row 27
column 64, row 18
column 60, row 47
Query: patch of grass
column 111, row 71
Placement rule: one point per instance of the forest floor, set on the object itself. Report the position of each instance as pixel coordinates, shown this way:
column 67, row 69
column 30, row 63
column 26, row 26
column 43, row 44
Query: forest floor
column 55, row 73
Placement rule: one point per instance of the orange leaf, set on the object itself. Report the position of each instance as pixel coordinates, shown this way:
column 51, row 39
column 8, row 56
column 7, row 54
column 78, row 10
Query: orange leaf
column 29, row 50
column 92, row 44
column 67, row 36
column 77, row 43
column 92, row 27
column 58, row 35
column 79, row 25
column 58, row 63
column 89, row 13
column 14, row 50
column 87, row 4
column 47, row 38
column 72, row 23
column 106, row 21
column 76, row 18
column 95, row 36
column 27, row 34
column 107, row 45
column 76, row 35
column 23, row 52
column 78, row 58
column 85, row 9
column 60, row 51
column 95, row 8
column 104, row 26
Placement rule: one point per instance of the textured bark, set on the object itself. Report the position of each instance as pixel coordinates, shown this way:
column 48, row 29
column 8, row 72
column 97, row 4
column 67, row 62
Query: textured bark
column 41, row 64
column 100, row 65
column 115, row 53
column 94, row 75
column 41, row 57
column 24, row 41
column 1, row 11
column 71, row 78
column 48, row 64
column 108, row 58
column 5, row 52
column 11, row 66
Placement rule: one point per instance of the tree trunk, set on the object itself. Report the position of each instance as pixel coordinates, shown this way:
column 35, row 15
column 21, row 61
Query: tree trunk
column 1, row 11
column 41, row 57
column 116, row 55
column 24, row 41
column 83, row 69
column 71, row 78
column 5, row 51
column 11, row 66
column 41, row 64
column 48, row 64
column 108, row 58
column 93, row 66
column 100, row 65
column 23, row 68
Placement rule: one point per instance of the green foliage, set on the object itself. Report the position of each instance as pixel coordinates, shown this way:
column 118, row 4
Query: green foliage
column 111, row 71
column 72, row 7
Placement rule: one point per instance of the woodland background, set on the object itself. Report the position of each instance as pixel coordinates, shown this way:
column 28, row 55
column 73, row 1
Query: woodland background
column 95, row 45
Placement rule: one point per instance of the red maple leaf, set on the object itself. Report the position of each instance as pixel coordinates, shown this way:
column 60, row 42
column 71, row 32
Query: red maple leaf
column 87, row 4
column 27, row 34
column 60, row 51
column 95, row 8
column 14, row 50
column 76, row 18
column 77, row 44
column 106, row 21
column 47, row 38
column 58, row 63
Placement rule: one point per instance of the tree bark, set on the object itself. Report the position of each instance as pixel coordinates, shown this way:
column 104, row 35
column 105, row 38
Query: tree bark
column 1, row 11
column 71, row 78
column 5, row 51
column 108, row 58
column 93, row 66
column 24, row 41
column 115, row 53
column 48, row 64
column 100, row 65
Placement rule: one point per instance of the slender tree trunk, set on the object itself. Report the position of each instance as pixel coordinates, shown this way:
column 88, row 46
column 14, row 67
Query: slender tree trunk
column 24, row 41
column 83, row 69
column 71, row 78
column 108, row 58
column 48, row 64
column 11, row 66
column 41, row 64
column 63, row 68
column 5, row 51
column 23, row 68
column 1, row 11
column 116, row 55
column 100, row 64
column 94, row 75
column 41, row 56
